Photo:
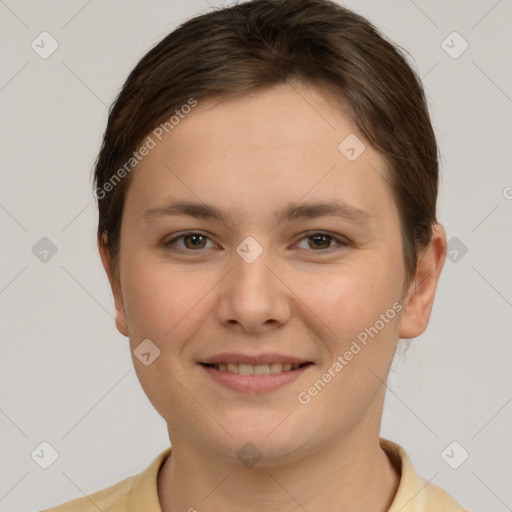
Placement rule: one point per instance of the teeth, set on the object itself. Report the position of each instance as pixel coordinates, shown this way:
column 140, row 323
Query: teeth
column 256, row 369
column 245, row 369
column 261, row 369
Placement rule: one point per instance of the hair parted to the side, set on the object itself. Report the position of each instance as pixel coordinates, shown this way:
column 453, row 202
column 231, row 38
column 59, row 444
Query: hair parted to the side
column 262, row 43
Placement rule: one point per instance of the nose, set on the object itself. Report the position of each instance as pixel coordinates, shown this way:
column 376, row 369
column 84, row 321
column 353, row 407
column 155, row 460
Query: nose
column 253, row 297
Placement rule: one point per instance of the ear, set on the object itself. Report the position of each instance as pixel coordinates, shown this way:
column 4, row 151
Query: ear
column 420, row 295
column 121, row 323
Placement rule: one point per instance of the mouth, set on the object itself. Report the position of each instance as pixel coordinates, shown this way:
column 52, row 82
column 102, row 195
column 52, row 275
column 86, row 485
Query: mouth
column 256, row 369
column 252, row 379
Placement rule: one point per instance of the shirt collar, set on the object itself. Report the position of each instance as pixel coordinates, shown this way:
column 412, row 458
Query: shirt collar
column 144, row 494
column 410, row 495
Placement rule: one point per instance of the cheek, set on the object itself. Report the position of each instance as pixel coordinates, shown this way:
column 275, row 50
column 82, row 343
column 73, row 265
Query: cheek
column 349, row 297
column 155, row 292
column 361, row 307
column 160, row 307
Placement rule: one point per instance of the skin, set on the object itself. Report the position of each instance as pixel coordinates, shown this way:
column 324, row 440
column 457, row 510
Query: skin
column 250, row 156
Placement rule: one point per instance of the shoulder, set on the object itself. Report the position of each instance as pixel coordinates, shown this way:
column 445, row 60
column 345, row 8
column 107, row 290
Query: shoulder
column 137, row 492
column 435, row 499
column 111, row 499
column 414, row 493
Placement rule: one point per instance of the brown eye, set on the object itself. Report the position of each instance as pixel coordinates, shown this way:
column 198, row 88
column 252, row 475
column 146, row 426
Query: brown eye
column 323, row 242
column 320, row 241
column 194, row 241
column 191, row 241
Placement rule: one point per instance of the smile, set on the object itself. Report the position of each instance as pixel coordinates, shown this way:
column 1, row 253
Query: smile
column 254, row 379
column 256, row 369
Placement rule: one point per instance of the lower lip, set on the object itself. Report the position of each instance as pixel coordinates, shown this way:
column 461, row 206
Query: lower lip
column 254, row 384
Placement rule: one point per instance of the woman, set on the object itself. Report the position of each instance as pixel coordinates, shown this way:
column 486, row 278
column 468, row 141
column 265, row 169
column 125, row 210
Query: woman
column 267, row 193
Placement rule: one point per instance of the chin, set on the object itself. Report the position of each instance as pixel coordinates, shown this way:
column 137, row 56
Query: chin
column 264, row 441
column 259, row 453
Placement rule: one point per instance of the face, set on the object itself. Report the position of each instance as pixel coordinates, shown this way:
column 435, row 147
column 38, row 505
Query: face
column 269, row 279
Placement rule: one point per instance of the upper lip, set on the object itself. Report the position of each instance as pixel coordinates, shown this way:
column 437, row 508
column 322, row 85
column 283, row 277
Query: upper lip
column 265, row 358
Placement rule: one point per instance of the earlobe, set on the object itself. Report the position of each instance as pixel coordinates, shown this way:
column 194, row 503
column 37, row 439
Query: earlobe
column 120, row 317
column 420, row 296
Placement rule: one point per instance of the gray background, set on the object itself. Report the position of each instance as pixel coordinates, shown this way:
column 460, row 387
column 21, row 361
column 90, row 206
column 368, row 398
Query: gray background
column 66, row 375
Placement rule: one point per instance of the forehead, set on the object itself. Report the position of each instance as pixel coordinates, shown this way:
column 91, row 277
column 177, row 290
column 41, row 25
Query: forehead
column 269, row 121
column 280, row 145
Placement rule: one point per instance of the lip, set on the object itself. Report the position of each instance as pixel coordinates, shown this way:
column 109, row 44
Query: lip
column 254, row 384
column 265, row 358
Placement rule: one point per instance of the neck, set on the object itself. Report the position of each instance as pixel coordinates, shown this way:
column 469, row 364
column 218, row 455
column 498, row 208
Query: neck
column 354, row 475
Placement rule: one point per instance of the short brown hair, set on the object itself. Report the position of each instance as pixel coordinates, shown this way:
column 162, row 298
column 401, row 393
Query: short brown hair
column 261, row 43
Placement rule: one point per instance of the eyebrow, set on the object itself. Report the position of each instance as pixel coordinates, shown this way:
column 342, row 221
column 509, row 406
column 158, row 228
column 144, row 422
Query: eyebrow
column 292, row 211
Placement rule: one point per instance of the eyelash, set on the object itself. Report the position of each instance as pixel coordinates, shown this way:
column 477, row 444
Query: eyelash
column 341, row 243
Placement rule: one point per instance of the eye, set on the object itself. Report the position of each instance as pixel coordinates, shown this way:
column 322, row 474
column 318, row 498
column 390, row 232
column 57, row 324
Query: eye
column 322, row 241
column 191, row 240
column 195, row 241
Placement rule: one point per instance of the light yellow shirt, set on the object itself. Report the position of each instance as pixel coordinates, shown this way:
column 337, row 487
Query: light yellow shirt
column 139, row 493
